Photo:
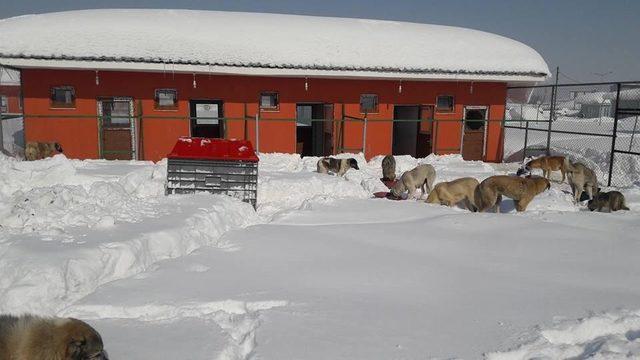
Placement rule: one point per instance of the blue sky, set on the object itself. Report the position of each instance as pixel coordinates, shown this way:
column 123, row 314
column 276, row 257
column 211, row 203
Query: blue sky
column 583, row 37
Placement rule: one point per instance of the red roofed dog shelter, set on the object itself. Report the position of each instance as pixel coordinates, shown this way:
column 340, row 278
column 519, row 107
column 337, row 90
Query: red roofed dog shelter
column 217, row 166
column 125, row 84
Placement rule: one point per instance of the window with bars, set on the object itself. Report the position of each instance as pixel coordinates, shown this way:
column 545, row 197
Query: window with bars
column 4, row 104
column 63, row 97
column 166, row 99
column 368, row 103
column 444, row 103
column 269, row 101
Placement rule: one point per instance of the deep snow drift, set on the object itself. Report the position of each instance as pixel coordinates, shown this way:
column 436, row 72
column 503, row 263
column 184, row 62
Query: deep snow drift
column 321, row 270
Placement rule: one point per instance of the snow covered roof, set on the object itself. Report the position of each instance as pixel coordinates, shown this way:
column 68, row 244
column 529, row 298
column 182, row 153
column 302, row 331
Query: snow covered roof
column 9, row 77
column 254, row 43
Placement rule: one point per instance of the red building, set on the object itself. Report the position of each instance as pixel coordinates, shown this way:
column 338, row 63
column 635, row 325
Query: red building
column 306, row 84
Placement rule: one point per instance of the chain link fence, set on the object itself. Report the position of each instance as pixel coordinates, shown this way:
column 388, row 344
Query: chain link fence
column 596, row 124
column 12, row 135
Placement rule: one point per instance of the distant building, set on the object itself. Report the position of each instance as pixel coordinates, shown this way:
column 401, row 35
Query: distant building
column 10, row 102
column 130, row 91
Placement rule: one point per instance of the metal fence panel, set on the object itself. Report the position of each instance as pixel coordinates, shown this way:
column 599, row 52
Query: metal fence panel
column 596, row 124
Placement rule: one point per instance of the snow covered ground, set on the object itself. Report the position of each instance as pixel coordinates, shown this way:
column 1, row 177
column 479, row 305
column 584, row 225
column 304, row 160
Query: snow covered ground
column 320, row 270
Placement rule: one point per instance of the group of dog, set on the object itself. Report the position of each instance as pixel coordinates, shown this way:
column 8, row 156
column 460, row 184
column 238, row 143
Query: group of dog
column 36, row 150
column 482, row 196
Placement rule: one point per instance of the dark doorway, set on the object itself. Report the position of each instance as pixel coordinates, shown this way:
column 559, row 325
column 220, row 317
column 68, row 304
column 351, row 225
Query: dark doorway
column 405, row 129
column 206, row 118
column 474, row 132
column 314, row 130
column 116, row 128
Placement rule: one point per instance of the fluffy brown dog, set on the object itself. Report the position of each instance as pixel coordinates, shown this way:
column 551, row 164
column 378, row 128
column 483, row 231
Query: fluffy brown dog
column 612, row 200
column 35, row 150
column 388, row 168
column 30, row 337
column 547, row 164
column 522, row 190
column 452, row 192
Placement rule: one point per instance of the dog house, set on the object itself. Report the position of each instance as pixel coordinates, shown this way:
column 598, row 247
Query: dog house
column 217, row 166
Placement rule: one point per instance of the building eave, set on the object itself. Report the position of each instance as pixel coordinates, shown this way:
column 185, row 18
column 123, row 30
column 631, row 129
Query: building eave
column 147, row 65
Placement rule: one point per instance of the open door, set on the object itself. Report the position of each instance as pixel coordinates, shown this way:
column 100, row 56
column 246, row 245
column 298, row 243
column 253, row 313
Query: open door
column 474, row 132
column 425, row 146
column 314, row 138
column 406, row 126
column 206, row 118
column 117, row 128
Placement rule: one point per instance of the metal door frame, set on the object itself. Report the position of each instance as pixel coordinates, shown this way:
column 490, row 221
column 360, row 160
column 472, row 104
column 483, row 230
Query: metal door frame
column 132, row 126
column 486, row 126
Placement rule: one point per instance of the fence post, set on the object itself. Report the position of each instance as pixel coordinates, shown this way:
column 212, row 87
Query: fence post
column 615, row 134
column 552, row 110
column 364, row 137
column 633, row 134
column 258, row 132
column 2, row 150
column 526, row 140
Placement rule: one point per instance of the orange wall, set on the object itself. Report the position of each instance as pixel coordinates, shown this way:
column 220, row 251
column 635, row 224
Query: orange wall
column 12, row 92
column 240, row 96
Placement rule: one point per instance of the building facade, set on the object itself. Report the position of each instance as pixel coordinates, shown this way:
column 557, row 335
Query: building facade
column 135, row 107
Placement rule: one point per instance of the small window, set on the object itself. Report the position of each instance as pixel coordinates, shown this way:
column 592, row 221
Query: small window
column 166, row 99
column 444, row 103
column 63, row 97
column 269, row 101
column 368, row 103
column 3, row 104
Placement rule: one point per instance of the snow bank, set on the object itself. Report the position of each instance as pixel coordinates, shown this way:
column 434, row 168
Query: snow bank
column 46, row 284
column 614, row 335
column 63, row 233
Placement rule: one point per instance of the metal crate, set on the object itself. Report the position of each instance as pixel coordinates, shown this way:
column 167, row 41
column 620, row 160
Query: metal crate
column 238, row 179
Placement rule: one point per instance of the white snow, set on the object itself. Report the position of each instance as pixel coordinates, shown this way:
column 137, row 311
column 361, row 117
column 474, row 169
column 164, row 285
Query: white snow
column 253, row 40
column 320, row 270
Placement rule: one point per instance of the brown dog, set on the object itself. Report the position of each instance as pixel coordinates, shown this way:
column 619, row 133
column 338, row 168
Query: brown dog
column 35, row 150
column 612, row 200
column 522, row 190
column 388, row 168
column 547, row 164
column 30, row 337
column 452, row 192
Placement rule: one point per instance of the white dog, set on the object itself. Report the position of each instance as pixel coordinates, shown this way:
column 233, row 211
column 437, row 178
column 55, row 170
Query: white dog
column 420, row 177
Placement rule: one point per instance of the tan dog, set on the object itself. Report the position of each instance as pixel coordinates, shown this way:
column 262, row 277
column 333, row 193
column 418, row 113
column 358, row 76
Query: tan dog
column 30, row 337
column 547, row 164
column 420, row 177
column 452, row 192
column 35, row 150
column 612, row 200
column 389, row 168
column 581, row 179
column 522, row 190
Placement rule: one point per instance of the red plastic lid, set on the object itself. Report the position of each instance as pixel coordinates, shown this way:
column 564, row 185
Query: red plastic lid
column 213, row 149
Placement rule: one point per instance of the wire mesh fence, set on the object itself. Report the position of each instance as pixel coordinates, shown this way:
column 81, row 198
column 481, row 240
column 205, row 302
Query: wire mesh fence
column 11, row 135
column 596, row 124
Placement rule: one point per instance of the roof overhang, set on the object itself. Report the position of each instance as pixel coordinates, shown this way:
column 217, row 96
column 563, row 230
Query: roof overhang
column 18, row 62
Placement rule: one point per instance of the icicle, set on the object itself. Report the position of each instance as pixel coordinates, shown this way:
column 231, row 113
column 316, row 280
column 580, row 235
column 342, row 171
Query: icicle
column 97, row 78
column 400, row 87
column 195, row 85
column 306, row 84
